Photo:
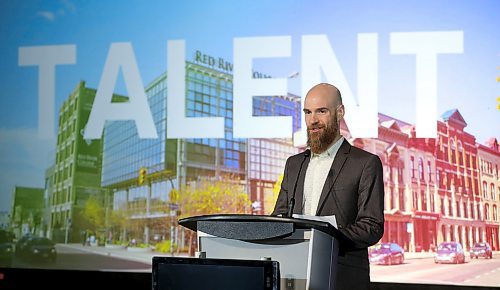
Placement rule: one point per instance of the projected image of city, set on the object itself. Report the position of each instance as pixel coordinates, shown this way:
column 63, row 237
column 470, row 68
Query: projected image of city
column 113, row 201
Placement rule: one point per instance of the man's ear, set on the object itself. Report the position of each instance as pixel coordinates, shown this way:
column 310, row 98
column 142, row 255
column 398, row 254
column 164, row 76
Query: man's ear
column 340, row 112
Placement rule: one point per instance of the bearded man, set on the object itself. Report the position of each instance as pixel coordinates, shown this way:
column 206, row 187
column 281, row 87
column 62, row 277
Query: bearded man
column 335, row 178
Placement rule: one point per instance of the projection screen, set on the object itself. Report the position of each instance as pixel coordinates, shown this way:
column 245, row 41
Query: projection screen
column 117, row 118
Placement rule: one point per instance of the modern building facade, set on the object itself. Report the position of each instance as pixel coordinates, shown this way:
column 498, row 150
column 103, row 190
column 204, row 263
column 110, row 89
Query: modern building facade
column 267, row 157
column 76, row 174
column 174, row 163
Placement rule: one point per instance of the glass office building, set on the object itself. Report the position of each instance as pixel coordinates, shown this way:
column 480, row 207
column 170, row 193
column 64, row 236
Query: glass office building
column 267, row 157
column 209, row 92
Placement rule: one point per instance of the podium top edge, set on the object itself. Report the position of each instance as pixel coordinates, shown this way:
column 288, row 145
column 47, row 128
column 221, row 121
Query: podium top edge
column 192, row 222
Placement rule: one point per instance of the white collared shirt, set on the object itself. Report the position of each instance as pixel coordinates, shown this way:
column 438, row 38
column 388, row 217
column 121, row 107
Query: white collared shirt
column 316, row 174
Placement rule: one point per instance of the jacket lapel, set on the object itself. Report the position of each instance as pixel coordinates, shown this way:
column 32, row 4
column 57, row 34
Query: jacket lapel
column 299, row 194
column 337, row 165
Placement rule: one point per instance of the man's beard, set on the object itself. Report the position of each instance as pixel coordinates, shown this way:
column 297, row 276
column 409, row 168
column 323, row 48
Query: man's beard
column 319, row 142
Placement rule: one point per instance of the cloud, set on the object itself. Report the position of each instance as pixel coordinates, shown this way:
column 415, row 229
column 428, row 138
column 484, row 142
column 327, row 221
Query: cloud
column 51, row 16
column 47, row 15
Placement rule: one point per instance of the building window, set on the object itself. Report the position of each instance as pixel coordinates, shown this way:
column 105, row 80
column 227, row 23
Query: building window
column 393, row 199
column 412, row 166
column 486, row 212
column 400, row 174
column 424, row 200
column 472, row 211
column 459, row 153
column 492, row 191
column 442, row 205
column 495, row 213
column 429, row 171
column 452, row 150
column 485, row 189
column 458, row 209
column 415, row 201
column 402, row 199
column 466, row 214
column 479, row 216
column 421, row 168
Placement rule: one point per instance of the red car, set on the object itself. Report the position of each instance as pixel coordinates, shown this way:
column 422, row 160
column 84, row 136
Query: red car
column 387, row 254
column 450, row 252
column 481, row 250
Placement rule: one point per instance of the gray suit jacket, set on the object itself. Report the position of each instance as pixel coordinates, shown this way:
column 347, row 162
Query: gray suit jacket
column 354, row 193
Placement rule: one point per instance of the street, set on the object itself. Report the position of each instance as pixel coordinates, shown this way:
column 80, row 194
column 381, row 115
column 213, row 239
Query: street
column 82, row 258
column 416, row 269
column 477, row 272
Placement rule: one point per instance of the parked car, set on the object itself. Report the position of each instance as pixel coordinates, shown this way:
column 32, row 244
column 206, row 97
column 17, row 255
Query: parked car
column 36, row 248
column 387, row 254
column 449, row 252
column 481, row 250
column 6, row 248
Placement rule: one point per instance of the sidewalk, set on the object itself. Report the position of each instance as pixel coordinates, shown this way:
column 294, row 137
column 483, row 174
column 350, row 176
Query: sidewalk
column 146, row 255
column 143, row 255
column 422, row 255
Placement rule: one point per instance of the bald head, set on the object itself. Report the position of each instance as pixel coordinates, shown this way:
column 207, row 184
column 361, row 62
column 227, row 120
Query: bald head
column 328, row 92
column 323, row 111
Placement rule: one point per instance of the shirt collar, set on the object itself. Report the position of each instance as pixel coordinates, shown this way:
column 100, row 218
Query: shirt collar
column 331, row 151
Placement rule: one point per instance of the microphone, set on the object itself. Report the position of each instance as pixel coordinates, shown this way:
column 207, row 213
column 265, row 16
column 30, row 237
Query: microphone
column 291, row 204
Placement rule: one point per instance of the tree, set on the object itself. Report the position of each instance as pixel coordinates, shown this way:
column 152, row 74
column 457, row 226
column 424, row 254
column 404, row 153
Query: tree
column 93, row 212
column 270, row 201
column 213, row 196
column 118, row 222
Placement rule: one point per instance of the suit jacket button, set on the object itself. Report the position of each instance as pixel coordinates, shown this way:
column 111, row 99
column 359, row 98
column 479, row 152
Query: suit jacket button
column 341, row 227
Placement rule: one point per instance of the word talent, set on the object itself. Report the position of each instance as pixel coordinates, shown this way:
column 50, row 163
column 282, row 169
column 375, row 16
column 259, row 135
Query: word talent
column 318, row 60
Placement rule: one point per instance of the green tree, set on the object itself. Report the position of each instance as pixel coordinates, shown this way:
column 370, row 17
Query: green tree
column 94, row 213
column 118, row 223
column 270, row 200
column 213, row 196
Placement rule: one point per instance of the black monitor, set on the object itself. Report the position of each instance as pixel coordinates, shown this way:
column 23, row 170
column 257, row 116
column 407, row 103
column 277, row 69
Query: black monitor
column 175, row 273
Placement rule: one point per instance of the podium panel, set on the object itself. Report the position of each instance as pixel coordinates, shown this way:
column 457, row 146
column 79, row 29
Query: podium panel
column 306, row 257
column 306, row 250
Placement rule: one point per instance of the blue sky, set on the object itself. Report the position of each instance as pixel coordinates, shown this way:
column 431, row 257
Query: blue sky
column 465, row 81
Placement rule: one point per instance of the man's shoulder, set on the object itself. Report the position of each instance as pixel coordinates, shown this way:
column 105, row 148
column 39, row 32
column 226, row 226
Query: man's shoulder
column 361, row 153
column 299, row 156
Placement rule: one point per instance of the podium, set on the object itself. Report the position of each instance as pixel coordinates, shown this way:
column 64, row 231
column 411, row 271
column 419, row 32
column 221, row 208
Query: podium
column 306, row 250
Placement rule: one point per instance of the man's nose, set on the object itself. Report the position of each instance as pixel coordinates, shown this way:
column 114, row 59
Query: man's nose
column 314, row 118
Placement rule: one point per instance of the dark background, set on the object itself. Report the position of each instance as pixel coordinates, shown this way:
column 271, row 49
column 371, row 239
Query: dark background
column 12, row 278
